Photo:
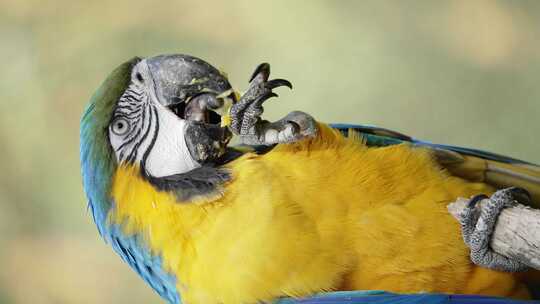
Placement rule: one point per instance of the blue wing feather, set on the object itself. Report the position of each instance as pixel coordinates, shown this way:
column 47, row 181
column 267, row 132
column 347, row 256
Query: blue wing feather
column 148, row 266
column 376, row 136
column 381, row 297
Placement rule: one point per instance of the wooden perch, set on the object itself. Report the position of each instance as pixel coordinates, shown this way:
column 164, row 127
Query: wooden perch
column 517, row 233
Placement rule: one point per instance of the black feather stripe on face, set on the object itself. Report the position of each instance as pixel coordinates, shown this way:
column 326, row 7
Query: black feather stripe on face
column 154, row 137
column 133, row 106
column 147, row 123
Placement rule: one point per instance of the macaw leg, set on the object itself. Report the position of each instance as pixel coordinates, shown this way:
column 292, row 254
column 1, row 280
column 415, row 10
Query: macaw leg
column 246, row 114
column 477, row 227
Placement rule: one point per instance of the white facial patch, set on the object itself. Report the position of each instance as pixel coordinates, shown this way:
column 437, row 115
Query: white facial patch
column 170, row 154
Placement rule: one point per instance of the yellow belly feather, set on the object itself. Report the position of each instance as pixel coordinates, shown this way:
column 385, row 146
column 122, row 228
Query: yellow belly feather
column 323, row 214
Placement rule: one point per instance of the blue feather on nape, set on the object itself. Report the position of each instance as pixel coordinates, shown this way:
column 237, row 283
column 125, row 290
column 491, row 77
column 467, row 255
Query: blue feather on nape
column 382, row 297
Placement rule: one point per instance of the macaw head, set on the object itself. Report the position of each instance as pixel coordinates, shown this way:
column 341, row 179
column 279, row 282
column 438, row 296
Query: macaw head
column 155, row 114
column 163, row 120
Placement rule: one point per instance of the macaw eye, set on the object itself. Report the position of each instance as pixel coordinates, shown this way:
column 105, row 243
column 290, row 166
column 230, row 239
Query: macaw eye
column 120, row 126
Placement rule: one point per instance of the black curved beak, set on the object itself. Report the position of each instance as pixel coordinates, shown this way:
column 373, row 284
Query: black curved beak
column 192, row 89
column 179, row 78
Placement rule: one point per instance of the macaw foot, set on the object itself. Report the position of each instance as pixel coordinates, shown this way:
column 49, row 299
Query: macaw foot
column 246, row 114
column 477, row 226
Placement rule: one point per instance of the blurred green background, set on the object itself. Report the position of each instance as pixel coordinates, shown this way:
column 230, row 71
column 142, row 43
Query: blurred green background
column 457, row 72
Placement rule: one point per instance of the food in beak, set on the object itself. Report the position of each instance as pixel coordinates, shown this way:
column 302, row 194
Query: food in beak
column 200, row 108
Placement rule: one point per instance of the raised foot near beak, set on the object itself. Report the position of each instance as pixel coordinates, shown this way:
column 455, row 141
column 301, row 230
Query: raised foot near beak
column 246, row 114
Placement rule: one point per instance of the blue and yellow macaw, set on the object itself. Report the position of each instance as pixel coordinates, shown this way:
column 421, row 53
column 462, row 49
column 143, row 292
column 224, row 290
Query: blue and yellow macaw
column 300, row 209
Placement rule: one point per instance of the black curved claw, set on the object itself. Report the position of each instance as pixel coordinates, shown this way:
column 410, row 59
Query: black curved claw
column 473, row 201
column 521, row 195
column 274, row 83
column 263, row 69
column 265, row 97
